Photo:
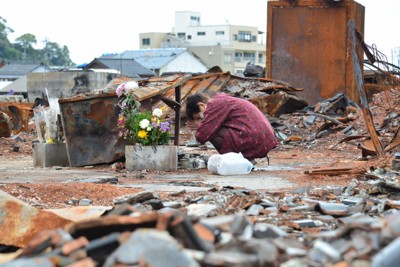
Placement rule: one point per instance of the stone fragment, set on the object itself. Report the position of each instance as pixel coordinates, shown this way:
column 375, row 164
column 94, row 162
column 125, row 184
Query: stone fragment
column 150, row 247
column 254, row 210
column 135, row 198
column 101, row 180
column 328, row 250
column 267, row 252
column 34, row 262
column 222, row 222
column 388, row 256
column 296, row 262
column 335, row 209
column 265, row 230
column 201, row 210
column 172, row 204
column 231, row 258
column 305, row 223
column 84, row 202
column 353, row 201
column 156, row 204
column 284, row 243
column 267, row 203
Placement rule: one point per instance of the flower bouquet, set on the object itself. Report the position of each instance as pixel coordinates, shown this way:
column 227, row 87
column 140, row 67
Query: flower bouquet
column 148, row 128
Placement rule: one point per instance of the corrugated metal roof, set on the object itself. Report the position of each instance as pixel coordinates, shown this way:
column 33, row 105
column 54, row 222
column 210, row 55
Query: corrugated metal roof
column 153, row 58
column 19, row 69
column 127, row 66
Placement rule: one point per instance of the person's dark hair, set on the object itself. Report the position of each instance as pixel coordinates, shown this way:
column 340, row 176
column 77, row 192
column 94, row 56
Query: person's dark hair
column 192, row 102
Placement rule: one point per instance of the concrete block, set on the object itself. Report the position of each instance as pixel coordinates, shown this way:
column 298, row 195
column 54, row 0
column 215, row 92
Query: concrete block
column 160, row 158
column 48, row 155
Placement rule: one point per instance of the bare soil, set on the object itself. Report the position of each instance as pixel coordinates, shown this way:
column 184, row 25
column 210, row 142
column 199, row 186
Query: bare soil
column 57, row 187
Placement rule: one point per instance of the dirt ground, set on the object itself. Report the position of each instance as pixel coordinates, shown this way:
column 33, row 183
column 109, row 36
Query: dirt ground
column 57, row 187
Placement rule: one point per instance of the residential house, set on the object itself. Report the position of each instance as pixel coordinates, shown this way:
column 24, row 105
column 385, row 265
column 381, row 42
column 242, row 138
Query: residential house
column 13, row 76
column 228, row 46
column 125, row 66
column 166, row 60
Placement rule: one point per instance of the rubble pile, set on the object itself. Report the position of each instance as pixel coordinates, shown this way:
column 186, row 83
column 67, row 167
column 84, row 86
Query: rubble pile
column 337, row 121
column 354, row 225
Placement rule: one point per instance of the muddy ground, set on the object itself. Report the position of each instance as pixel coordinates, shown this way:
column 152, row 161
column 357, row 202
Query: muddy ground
column 302, row 151
column 58, row 187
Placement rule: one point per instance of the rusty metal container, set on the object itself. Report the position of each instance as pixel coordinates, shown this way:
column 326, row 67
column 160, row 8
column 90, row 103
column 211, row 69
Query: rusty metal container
column 308, row 46
column 90, row 128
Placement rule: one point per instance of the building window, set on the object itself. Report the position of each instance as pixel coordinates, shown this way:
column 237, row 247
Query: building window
column 261, row 58
column 235, row 37
column 194, row 18
column 146, row 41
column 244, row 36
column 238, row 57
column 181, row 35
column 227, row 58
column 219, row 33
column 249, row 56
column 201, row 33
column 189, row 37
column 254, row 38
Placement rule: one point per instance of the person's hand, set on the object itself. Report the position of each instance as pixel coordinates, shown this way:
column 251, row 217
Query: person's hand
column 193, row 125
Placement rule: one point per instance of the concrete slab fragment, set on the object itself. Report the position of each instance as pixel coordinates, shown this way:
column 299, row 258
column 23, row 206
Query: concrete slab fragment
column 48, row 155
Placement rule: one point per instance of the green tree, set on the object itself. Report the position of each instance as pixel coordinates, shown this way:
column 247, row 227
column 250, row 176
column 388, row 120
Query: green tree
column 7, row 51
column 52, row 54
column 56, row 55
column 27, row 41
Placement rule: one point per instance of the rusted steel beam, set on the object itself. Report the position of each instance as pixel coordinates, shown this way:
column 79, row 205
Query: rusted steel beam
column 177, row 115
column 334, row 171
column 326, row 118
column 362, row 95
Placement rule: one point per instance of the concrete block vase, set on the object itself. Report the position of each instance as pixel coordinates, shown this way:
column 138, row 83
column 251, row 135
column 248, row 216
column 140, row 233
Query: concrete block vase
column 160, row 158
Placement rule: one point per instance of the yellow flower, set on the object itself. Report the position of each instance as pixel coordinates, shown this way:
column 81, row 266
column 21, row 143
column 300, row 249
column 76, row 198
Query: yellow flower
column 142, row 134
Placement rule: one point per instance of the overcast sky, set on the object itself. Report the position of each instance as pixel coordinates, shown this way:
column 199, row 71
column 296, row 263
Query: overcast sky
column 91, row 28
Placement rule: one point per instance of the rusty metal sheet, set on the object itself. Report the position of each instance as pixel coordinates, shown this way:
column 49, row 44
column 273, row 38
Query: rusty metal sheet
column 19, row 114
column 154, row 87
column 277, row 104
column 5, row 125
column 99, row 227
column 308, row 46
column 90, row 129
column 21, row 222
column 204, row 83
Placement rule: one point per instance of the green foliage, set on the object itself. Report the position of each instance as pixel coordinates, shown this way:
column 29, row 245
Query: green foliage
column 52, row 54
column 146, row 128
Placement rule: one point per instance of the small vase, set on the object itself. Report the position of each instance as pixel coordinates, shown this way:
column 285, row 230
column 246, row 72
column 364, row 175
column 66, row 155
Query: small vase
column 159, row 157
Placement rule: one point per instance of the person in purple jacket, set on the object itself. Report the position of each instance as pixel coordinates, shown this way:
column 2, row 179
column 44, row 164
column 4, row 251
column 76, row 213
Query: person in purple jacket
column 231, row 124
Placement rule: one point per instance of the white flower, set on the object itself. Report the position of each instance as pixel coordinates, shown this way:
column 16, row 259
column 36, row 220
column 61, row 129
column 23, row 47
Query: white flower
column 130, row 86
column 148, row 129
column 144, row 123
column 157, row 112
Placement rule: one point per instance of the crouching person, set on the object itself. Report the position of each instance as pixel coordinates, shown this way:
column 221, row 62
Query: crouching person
column 231, row 124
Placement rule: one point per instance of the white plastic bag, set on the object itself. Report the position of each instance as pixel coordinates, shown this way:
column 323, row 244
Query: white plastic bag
column 229, row 164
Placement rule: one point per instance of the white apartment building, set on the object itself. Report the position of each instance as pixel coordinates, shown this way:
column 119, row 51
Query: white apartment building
column 230, row 47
